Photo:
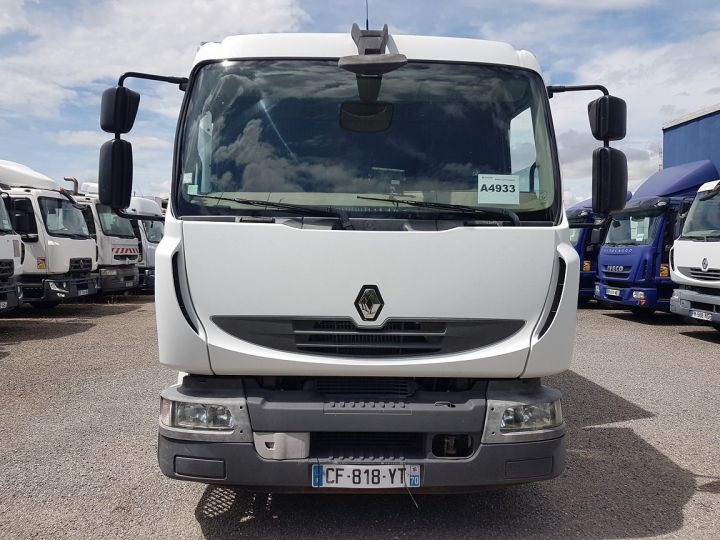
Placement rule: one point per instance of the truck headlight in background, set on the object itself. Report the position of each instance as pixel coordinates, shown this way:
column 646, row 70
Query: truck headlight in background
column 195, row 415
column 532, row 417
column 597, row 290
column 638, row 295
column 108, row 272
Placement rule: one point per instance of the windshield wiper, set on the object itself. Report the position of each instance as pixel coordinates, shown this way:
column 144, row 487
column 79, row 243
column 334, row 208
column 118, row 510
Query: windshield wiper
column 327, row 211
column 452, row 207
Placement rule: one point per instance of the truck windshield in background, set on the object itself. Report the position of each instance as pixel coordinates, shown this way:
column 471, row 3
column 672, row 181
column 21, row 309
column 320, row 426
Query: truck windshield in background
column 464, row 134
column 633, row 229
column 5, row 223
column 112, row 224
column 63, row 218
column 703, row 220
column 153, row 231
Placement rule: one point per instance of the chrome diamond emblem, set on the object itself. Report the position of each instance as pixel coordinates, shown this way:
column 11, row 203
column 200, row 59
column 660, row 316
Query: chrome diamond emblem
column 369, row 303
column 705, row 265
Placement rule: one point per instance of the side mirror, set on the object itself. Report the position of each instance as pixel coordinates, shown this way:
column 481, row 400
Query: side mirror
column 116, row 174
column 608, row 118
column 609, row 180
column 29, row 237
column 596, row 236
column 118, row 109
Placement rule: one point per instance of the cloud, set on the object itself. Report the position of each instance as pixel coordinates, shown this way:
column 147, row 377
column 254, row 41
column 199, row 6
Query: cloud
column 97, row 41
column 96, row 138
column 593, row 5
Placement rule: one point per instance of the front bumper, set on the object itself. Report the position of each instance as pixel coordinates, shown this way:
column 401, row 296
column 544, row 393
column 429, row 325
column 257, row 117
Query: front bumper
column 685, row 300
column 237, row 457
column 10, row 295
column 119, row 278
column 59, row 288
column 238, row 464
column 625, row 297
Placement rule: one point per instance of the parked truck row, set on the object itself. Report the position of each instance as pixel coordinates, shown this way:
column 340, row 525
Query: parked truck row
column 58, row 245
column 662, row 251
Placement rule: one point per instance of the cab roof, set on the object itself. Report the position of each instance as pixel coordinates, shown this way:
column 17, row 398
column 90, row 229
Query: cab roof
column 14, row 174
column 332, row 46
column 679, row 181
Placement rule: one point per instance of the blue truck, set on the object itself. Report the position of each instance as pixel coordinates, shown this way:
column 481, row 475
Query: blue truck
column 587, row 242
column 633, row 263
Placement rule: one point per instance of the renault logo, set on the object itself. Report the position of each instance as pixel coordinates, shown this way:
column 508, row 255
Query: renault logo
column 369, row 303
column 705, row 265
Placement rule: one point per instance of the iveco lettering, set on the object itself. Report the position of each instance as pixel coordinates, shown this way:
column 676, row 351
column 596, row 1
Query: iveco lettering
column 357, row 336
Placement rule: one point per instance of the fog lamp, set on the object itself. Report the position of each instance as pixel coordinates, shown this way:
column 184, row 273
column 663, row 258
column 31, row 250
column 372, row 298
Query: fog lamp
column 639, row 295
column 195, row 415
column 532, row 417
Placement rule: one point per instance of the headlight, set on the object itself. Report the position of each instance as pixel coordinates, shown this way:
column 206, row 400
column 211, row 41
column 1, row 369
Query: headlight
column 195, row 415
column 531, row 417
column 597, row 290
column 639, row 295
column 108, row 272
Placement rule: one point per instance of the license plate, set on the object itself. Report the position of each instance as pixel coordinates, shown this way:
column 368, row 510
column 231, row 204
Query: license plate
column 702, row 315
column 612, row 292
column 82, row 292
column 365, row 476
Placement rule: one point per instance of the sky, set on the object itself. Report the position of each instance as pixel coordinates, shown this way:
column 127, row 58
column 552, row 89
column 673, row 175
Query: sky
column 57, row 56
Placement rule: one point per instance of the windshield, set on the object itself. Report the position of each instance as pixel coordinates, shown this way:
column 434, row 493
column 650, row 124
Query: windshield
column 5, row 224
column 153, row 230
column 629, row 229
column 575, row 236
column 703, row 219
column 63, row 218
column 472, row 135
column 112, row 224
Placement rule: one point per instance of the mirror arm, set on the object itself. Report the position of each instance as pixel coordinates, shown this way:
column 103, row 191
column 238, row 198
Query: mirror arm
column 152, row 77
column 552, row 90
column 597, row 225
column 142, row 217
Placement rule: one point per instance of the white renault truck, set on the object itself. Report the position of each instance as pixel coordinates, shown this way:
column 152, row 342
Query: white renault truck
column 118, row 248
column 366, row 269
column 60, row 257
column 10, row 260
column 695, row 259
column 149, row 234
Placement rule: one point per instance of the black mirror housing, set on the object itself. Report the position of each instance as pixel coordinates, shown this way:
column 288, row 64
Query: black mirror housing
column 609, row 180
column 115, row 174
column 608, row 118
column 118, row 109
column 361, row 117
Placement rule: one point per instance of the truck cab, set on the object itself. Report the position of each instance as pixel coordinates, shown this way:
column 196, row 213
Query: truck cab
column 695, row 260
column 329, row 284
column 60, row 257
column 118, row 248
column 149, row 234
column 634, row 261
column 10, row 259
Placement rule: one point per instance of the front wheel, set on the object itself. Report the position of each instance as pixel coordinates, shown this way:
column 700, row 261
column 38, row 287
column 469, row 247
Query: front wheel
column 45, row 305
column 642, row 312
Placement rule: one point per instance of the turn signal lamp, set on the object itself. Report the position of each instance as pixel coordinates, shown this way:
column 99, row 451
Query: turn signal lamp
column 587, row 266
column 664, row 270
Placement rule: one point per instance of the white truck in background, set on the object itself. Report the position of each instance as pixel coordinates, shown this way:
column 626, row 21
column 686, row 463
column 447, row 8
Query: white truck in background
column 326, row 285
column 695, row 259
column 10, row 259
column 118, row 248
column 149, row 234
column 60, row 256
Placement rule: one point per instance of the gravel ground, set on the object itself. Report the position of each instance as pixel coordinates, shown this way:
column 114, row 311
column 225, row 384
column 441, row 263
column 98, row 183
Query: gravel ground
column 80, row 388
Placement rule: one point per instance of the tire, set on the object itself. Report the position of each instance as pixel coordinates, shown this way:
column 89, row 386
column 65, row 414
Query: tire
column 642, row 312
column 45, row 305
